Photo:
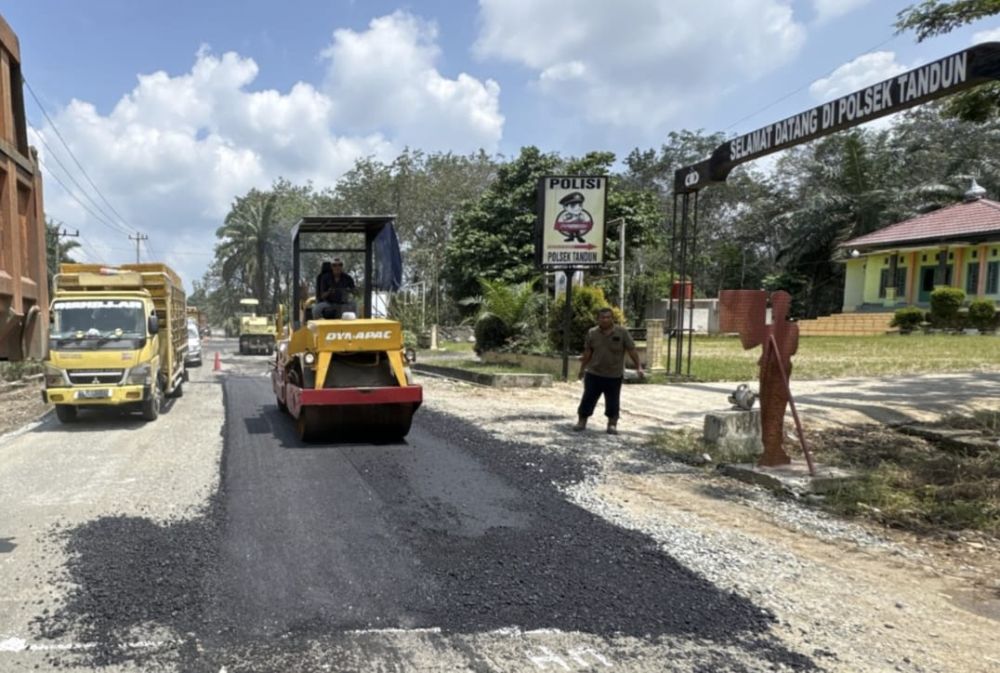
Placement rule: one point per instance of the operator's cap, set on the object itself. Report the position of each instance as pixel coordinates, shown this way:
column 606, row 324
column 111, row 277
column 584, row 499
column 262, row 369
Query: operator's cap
column 337, row 260
column 572, row 197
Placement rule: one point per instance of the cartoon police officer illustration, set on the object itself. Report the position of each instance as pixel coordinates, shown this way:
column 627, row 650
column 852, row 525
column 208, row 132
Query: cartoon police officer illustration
column 573, row 221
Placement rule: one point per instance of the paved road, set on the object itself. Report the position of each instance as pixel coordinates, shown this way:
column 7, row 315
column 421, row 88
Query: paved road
column 213, row 539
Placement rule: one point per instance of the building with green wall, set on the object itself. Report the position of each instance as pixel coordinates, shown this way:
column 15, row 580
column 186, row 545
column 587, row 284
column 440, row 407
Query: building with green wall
column 900, row 265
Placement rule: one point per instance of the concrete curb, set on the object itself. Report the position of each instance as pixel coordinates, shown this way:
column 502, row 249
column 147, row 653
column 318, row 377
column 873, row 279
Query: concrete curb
column 499, row 380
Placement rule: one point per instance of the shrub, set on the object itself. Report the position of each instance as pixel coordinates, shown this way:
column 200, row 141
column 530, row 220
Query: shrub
column 508, row 317
column 982, row 313
column 908, row 318
column 586, row 301
column 409, row 339
column 945, row 304
column 491, row 333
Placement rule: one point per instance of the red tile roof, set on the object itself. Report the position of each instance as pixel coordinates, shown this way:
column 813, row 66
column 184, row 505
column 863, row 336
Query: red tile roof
column 973, row 218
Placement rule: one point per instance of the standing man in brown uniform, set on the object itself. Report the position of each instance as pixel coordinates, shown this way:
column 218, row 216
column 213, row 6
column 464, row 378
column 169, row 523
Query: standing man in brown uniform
column 602, row 369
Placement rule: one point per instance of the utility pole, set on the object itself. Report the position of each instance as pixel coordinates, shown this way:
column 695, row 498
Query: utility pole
column 59, row 236
column 138, row 238
column 621, row 267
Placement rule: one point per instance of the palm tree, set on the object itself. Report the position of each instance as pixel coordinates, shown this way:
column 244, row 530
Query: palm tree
column 246, row 249
column 508, row 312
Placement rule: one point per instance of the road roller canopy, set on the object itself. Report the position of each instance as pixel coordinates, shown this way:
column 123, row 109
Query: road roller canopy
column 383, row 268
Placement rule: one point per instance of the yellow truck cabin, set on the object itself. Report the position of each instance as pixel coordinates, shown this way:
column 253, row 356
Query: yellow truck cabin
column 118, row 337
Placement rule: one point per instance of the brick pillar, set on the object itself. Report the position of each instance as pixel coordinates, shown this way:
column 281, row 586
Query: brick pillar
column 654, row 345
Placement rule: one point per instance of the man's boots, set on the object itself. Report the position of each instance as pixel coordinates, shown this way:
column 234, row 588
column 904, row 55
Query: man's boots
column 581, row 424
column 613, row 427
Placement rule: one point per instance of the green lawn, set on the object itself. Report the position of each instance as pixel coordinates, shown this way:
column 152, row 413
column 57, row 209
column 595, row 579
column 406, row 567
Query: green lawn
column 723, row 358
column 487, row 368
column 454, row 347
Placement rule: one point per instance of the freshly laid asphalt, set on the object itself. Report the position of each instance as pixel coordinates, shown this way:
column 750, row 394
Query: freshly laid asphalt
column 450, row 530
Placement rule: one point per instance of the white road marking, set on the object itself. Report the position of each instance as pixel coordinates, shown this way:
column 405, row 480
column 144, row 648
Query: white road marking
column 577, row 655
column 432, row 629
column 14, row 644
column 547, row 657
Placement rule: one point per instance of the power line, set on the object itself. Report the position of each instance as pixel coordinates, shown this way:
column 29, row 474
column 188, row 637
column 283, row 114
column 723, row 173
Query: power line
column 75, row 160
column 809, row 83
column 76, row 198
column 83, row 191
column 89, row 249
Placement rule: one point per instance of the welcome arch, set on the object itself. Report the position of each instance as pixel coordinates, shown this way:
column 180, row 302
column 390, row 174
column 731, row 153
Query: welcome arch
column 959, row 71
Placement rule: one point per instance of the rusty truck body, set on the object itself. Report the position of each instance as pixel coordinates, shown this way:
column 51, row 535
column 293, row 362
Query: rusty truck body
column 24, row 292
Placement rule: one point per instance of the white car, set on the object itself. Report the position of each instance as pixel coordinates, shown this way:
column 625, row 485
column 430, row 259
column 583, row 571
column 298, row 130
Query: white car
column 194, row 346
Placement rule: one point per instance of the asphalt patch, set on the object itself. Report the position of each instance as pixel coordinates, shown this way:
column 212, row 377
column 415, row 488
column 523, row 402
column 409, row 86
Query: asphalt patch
column 453, row 529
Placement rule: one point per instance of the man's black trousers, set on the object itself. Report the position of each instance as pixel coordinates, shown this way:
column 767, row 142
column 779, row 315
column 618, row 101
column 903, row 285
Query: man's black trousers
column 593, row 387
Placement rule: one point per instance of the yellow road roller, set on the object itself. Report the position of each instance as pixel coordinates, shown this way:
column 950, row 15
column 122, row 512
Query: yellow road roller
column 340, row 376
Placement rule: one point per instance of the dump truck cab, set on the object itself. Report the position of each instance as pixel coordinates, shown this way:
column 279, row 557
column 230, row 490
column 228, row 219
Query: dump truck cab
column 346, row 377
column 118, row 338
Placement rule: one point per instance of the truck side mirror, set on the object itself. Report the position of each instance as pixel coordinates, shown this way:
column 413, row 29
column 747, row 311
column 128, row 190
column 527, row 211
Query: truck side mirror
column 154, row 325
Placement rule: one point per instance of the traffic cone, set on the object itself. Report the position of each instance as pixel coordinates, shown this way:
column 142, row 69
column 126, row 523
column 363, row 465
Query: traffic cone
column 217, row 367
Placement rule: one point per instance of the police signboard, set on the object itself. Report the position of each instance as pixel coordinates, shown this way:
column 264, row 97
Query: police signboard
column 570, row 230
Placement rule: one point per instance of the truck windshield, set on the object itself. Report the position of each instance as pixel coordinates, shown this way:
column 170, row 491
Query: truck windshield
column 98, row 324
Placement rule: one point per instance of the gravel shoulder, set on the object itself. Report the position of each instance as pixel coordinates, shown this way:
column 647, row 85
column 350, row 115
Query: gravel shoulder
column 857, row 597
column 108, row 471
column 21, row 405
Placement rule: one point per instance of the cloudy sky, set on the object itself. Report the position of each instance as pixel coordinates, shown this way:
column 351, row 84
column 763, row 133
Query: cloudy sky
column 175, row 108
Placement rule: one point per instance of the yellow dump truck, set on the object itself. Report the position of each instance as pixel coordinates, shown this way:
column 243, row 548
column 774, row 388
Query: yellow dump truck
column 118, row 338
column 257, row 332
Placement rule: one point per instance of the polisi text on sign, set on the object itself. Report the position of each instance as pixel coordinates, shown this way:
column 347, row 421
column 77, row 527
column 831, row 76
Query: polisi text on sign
column 575, row 183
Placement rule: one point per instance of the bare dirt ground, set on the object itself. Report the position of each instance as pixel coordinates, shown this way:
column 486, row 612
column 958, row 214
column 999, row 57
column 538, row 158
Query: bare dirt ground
column 859, row 596
column 20, row 406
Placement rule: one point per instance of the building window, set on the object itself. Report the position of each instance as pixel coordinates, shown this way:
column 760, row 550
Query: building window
column 975, row 254
column 900, row 283
column 951, row 256
column 925, row 258
column 992, row 277
column 972, row 279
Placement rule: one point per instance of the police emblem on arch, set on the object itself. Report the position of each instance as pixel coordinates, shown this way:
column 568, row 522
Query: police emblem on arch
column 574, row 221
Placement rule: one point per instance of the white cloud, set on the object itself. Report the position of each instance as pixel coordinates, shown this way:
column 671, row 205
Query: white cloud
column 863, row 71
column 385, row 79
column 637, row 63
column 991, row 35
column 174, row 152
column 832, row 9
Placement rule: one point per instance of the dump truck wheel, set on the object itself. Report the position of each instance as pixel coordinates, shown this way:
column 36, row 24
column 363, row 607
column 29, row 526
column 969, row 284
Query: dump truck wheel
column 151, row 407
column 66, row 413
column 178, row 391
